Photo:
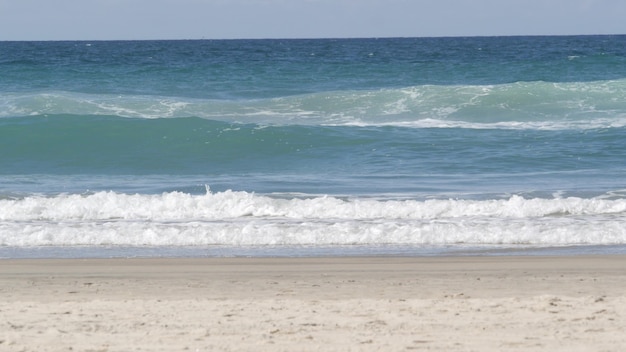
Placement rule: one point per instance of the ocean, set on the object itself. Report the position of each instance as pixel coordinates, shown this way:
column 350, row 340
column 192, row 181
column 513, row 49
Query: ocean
column 395, row 146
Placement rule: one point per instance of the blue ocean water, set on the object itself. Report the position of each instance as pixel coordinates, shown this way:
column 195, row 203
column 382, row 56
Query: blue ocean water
column 312, row 147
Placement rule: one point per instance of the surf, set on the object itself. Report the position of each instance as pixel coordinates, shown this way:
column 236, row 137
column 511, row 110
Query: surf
column 241, row 218
column 519, row 105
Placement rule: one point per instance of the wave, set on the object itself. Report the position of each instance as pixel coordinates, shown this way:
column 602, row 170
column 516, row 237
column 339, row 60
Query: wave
column 241, row 218
column 110, row 145
column 533, row 105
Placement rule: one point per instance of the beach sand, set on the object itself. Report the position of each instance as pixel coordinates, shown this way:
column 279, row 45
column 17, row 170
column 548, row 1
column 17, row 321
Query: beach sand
column 509, row 303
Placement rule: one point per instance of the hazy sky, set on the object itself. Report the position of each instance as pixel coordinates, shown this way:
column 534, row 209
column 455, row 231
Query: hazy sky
column 195, row 19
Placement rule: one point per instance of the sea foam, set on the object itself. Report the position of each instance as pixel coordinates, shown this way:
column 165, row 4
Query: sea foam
column 242, row 218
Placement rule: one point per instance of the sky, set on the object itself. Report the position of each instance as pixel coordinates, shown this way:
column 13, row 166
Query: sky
column 230, row 19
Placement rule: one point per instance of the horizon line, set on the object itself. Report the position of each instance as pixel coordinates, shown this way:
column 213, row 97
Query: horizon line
column 316, row 38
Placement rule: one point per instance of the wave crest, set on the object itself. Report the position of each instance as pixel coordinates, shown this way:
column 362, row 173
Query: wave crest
column 536, row 105
column 240, row 204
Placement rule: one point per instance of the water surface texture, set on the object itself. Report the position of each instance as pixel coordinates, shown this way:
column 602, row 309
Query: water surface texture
column 312, row 146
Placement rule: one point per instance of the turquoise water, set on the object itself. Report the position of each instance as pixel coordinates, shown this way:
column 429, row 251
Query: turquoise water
column 413, row 145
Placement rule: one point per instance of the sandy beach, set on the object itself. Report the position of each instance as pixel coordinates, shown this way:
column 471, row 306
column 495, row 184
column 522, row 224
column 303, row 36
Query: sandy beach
column 510, row 303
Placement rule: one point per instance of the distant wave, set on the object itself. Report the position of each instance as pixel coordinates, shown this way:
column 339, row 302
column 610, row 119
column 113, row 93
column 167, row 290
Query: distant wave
column 241, row 218
column 521, row 105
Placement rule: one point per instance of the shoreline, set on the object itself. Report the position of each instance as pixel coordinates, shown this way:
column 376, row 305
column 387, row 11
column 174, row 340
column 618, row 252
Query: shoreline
column 458, row 303
column 283, row 251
